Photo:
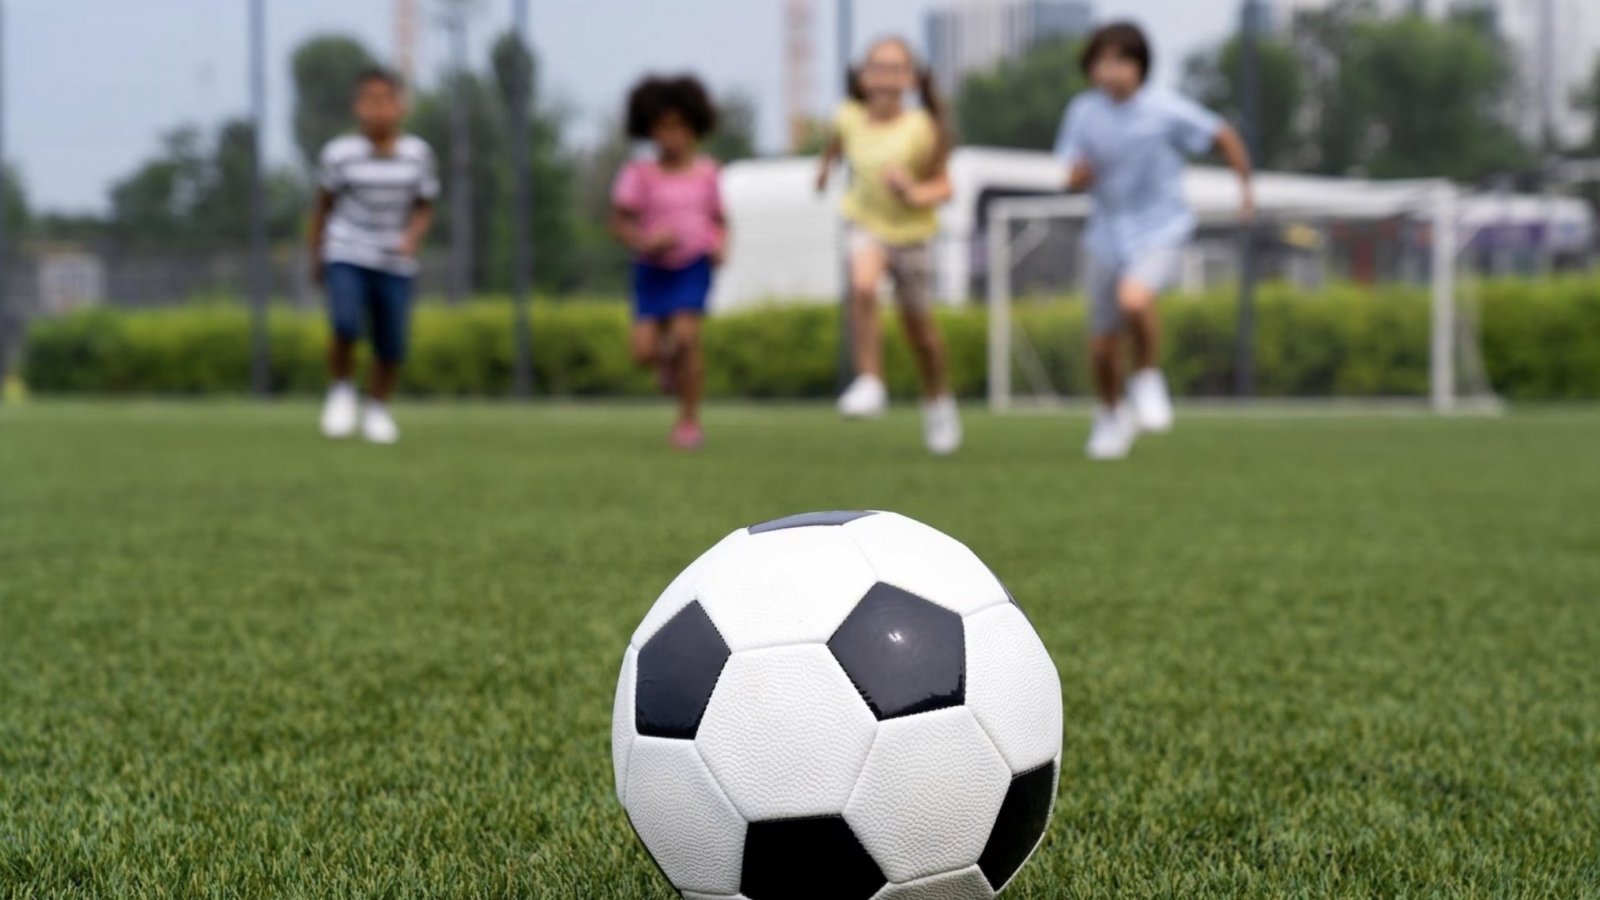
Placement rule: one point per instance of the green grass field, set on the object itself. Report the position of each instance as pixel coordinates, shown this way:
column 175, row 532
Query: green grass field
column 1300, row 657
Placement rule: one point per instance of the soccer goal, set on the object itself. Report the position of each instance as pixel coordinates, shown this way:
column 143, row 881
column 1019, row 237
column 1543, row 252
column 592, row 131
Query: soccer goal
column 1326, row 238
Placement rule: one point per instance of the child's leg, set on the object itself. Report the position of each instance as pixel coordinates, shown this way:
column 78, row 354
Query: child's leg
column 1106, row 322
column 390, row 299
column 1138, row 304
column 912, row 268
column 685, row 330
column 645, row 342
column 868, row 264
column 346, row 301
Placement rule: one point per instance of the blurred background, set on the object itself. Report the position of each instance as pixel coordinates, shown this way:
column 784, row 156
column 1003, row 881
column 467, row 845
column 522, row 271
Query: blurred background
column 130, row 162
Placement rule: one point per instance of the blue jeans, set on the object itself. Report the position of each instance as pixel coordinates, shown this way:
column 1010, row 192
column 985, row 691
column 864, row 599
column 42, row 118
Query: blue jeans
column 368, row 300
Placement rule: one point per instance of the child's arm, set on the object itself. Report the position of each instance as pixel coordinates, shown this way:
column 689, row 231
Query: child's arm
column 934, row 189
column 319, row 227
column 422, row 216
column 830, row 156
column 1233, row 149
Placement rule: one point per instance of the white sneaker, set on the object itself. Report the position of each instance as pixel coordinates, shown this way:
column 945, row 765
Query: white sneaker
column 339, row 411
column 866, row 398
column 1152, row 404
column 941, row 425
column 377, row 426
column 1112, row 435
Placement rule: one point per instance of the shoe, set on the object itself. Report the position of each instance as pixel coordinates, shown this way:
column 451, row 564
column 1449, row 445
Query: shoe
column 1152, row 404
column 377, row 426
column 339, row 411
column 866, row 398
column 1112, row 435
column 941, row 425
column 688, row 436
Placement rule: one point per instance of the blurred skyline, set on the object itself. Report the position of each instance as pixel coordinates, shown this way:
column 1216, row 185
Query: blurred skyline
column 93, row 84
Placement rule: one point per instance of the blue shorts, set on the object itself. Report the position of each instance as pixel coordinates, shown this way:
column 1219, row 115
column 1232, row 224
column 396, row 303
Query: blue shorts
column 660, row 293
column 368, row 300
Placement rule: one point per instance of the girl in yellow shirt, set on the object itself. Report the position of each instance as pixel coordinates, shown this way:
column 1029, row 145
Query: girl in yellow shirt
column 899, row 157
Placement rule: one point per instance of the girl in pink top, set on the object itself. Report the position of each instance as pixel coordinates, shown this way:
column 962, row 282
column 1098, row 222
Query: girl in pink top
column 668, row 211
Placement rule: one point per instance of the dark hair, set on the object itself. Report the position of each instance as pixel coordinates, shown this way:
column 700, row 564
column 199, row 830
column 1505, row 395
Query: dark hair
column 1122, row 38
column 655, row 96
column 380, row 74
column 927, row 88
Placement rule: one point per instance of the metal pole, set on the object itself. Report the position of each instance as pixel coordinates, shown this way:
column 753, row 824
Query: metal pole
column 999, row 307
column 460, row 156
column 5, row 268
column 845, row 39
column 260, row 359
column 522, row 218
column 1442, row 368
column 1250, row 109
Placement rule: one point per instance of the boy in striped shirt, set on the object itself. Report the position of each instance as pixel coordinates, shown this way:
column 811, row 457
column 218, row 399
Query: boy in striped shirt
column 374, row 208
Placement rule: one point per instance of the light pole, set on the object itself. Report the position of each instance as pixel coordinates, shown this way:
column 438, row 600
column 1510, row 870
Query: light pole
column 5, row 269
column 520, row 98
column 455, row 22
column 845, row 38
column 260, row 359
column 1252, row 18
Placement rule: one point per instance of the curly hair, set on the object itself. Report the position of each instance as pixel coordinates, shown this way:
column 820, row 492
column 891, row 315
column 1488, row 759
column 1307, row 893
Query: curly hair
column 656, row 96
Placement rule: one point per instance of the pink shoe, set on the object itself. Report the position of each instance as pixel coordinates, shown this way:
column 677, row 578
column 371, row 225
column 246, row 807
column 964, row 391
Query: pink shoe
column 688, row 436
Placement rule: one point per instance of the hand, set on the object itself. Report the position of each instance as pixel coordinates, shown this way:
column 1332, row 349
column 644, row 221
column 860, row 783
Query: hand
column 822, row 180
column 1247, row 205
column 1081, row 178
column 719, row 254
column 900, row 184
column 407, row 247
column 660, row 243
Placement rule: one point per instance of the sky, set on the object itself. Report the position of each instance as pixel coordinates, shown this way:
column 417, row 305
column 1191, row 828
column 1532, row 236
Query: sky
column 91, row 85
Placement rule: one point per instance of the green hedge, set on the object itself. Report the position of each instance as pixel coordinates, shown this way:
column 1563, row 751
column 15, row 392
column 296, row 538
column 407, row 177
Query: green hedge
column 1541, row 342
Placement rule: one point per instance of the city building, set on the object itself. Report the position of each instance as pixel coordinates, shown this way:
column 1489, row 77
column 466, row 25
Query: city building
column 978, row 35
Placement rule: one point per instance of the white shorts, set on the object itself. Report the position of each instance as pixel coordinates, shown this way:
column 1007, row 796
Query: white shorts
column 1155, row 269
column 910, row 267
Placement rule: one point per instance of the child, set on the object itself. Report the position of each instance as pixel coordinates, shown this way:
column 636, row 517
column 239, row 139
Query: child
column 899, row 158
column 374, row 208
column 1127, row 141
column 668, row 211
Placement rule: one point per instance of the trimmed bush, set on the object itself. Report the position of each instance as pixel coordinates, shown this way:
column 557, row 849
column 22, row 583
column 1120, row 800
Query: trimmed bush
column 1541, row 342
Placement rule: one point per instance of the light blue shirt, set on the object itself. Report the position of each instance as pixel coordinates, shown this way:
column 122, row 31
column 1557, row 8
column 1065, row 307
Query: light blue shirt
column 1138, row 149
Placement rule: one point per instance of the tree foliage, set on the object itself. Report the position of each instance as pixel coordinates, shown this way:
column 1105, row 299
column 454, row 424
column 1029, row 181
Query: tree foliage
column 1020, row 103
column 325, row 71
column 1213, row 78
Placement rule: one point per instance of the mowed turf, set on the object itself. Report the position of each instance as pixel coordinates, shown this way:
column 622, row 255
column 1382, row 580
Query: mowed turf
column 1299, row 657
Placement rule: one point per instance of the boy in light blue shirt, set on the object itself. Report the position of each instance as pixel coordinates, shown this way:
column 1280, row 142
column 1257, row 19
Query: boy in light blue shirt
column 1127, row 143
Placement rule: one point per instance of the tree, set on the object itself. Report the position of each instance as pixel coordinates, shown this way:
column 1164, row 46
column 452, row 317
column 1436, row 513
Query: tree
column 325, row 73
column 492, row 178
column 1587, row 101
column 194, row 192
column 735, row 138
column 1408, row 96
column 1212, row 78
column 1020, row 104
column 14, row 204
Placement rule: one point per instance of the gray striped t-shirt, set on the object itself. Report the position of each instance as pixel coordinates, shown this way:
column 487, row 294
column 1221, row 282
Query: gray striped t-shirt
column 374, row 197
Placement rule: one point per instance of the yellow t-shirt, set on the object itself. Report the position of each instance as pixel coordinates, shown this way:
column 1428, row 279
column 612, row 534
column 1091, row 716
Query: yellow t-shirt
column 872, row 148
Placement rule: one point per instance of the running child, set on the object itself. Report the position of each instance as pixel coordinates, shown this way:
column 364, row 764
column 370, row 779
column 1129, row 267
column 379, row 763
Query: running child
column 668, row 210
column 373, row 210
column 1126, row 141
column 899, row 156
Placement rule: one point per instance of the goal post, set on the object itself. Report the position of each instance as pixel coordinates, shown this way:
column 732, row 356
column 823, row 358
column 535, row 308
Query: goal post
column 1428, row 213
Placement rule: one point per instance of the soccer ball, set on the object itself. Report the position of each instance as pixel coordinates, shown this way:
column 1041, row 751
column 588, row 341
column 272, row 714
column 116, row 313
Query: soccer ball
column 843, row 705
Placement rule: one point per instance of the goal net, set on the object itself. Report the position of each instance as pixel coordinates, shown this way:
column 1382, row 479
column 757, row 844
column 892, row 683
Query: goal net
column 1366, row 293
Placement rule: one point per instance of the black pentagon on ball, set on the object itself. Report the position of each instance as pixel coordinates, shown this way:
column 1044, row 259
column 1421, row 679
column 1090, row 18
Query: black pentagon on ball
column 1020, row 823
column 804, row 859
column 904, row 654
column 811, row 519
column 678, row 669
